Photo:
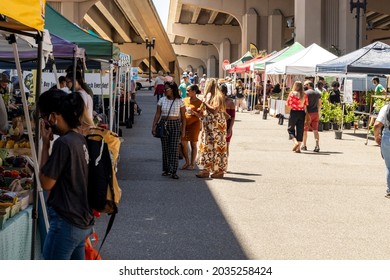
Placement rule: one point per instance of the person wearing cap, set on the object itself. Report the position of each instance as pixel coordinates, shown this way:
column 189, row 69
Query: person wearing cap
column 183, row 86
column 229, row 86
column 159, row 85
column 202, row 83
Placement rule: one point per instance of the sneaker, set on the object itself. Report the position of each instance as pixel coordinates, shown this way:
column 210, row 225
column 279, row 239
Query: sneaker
column 316, row 149
column 304, row 148
column 387, row 195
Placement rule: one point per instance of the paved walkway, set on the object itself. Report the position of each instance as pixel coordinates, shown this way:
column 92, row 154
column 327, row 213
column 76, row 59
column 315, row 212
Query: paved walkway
column 273, row 203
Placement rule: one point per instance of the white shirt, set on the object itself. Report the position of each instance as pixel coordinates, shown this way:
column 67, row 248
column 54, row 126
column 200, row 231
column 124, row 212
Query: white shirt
column 382, row 114
column 165, row 104
column 88, row 102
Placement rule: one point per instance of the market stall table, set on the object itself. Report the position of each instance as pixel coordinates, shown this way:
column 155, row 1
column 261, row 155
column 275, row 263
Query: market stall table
column 15, row 237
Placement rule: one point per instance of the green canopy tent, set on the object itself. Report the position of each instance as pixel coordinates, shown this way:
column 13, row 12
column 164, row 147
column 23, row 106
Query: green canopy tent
column 95, row 46
column 246, row 57
column 286, row 52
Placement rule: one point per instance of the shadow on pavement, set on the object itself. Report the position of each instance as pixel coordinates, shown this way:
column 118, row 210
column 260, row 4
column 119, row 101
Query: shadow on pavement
column 159, row 217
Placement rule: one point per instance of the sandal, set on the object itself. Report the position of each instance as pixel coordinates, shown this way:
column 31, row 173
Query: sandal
column 174, row 176
column 296, row 146
column 185, row 166
column 190, row 167
column 217, row 175
column 203, row 174
column 166, row 173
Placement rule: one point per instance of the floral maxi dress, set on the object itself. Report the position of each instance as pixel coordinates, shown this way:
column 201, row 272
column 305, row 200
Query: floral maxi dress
column 212, row 155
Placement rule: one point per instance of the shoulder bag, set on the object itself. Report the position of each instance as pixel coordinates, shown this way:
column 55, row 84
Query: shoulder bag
column 161, row 128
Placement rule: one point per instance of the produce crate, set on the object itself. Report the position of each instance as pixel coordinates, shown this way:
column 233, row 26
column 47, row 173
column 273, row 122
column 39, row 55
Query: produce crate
column 3, row 219
column 15, row 209
column 5, row 211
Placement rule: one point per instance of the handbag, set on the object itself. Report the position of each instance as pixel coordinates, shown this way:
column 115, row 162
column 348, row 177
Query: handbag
column 161, row 127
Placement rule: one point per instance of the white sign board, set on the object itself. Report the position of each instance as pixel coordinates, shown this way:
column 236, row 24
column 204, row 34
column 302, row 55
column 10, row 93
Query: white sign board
column 91, row 79
column 348, row 92
column 134, row 73
column 94, row 81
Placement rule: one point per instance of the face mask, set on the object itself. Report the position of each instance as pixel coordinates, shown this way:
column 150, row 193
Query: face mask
column 305, row 88
column 54, row 127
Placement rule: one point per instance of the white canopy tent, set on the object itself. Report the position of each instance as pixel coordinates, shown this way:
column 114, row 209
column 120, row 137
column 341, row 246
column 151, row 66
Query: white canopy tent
column 302, row 63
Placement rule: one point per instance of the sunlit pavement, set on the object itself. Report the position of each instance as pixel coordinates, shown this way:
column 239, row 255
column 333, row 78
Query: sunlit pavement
column 273, row 203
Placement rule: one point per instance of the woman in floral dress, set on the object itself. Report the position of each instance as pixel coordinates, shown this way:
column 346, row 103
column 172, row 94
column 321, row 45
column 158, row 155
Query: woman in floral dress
column 212, row 154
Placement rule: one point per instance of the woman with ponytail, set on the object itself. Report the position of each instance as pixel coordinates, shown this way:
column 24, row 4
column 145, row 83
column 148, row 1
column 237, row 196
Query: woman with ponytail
column 297, row 100
column 64, row 174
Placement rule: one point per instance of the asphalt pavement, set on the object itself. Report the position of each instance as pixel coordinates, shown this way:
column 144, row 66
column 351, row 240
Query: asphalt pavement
column 273, row 204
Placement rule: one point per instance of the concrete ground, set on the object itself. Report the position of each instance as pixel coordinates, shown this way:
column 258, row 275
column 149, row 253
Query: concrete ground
column 273, row 204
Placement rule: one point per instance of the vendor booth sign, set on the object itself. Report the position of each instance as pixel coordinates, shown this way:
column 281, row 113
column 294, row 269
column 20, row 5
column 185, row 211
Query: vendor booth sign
column 93, row 80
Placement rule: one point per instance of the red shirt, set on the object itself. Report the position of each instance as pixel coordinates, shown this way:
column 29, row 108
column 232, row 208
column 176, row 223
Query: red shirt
column 295, row 103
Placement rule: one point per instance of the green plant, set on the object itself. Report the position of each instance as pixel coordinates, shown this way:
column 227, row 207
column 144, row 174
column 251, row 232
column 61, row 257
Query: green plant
column 337, row 113
column 325, row 108
column 378, row 104
column 368, row 96
column 349, row 115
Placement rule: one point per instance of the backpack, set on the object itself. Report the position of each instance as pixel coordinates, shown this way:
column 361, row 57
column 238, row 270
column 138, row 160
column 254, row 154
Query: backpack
column 104, row 192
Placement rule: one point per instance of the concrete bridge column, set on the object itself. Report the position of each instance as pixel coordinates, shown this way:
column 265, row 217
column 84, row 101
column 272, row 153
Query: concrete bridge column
column 250, row 29
column 275, row 31
column 212, row 67
column 307, row 21
column 224, row 53
column 347, row 25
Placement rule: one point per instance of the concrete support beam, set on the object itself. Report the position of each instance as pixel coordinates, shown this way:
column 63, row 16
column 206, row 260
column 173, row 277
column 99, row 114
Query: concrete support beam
column 308, row 21
column 113, row 15
column 212, row 67
column 250, row 30
column 275, row 31
column 195, row 64
column 197, row 51
column 146, row 61
column 347, row 25
column 212, row 17
column 99, row 25
column 224, row 53
column 195, row 15
column 209, row 33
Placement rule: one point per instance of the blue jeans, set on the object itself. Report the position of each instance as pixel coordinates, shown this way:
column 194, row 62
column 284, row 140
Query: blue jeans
column 64, row 241
column 385, row 149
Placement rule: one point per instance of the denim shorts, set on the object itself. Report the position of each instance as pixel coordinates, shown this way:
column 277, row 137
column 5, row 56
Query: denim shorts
column 64, row 241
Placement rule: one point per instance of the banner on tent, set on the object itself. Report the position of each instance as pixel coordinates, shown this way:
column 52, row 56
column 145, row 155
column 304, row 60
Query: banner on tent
column 348, row 88
column 253, row 49
column 93, row 80
column 134, row 73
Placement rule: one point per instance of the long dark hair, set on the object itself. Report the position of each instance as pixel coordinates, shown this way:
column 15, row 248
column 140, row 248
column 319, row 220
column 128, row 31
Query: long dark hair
column 174, row 87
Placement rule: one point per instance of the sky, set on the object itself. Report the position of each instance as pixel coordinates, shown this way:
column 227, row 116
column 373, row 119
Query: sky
column 162, row 7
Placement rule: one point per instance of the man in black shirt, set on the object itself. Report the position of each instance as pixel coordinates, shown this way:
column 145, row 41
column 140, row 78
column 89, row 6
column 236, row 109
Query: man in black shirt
column 313, row 110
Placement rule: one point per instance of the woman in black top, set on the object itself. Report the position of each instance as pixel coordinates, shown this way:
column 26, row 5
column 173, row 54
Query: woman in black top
column 64, row 173
column 335, row 97
column 240, row 96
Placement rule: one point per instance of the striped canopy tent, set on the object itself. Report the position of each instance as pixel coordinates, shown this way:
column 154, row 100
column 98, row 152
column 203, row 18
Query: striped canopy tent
column 286, row 52
column 247, row 56
column 246, row 66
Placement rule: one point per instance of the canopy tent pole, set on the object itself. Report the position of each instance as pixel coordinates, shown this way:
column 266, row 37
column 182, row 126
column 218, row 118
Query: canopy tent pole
column 118, row 95
column 110, row 86
column 37, row 186
column 56, row 74
column 101, row 90
column 124, row 96
column 264, row 95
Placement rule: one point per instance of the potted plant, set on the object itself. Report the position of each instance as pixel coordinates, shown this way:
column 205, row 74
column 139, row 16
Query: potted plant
column 349, row 116
column 368, row 100
column 337, row 112
column 325, row 111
